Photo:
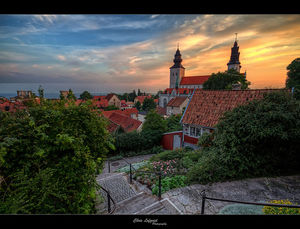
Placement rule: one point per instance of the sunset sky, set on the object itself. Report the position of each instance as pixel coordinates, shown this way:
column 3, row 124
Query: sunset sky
column 124, row 52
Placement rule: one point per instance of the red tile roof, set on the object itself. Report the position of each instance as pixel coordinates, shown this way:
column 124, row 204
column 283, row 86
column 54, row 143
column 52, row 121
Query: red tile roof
column 184, row 91
column 141, row 98
column 207, row 106
column 192, row 80
column 177, row 101
column 112, row 127
column 126, row 112
column 161, row 110
column 127, row 123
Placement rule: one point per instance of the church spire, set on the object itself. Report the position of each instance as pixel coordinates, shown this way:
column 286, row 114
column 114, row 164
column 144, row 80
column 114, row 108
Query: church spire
column 234, row 62
column 177, row 59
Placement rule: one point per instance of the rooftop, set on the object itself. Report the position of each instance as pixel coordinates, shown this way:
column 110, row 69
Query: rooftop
column 206, row 107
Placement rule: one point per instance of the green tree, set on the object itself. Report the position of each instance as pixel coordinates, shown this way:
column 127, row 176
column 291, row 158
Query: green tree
column 71, row 95
column 111, row 107
column 148, row 104
column 49, row 158
column 153, row 127
column 85, row 95
column 138, row 106
column 224, row 80
column 173, row 123
column 293, row 79
column 41, row 92
column 257, row 139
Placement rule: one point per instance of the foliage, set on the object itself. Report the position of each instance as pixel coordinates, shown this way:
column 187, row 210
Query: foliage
column 166, row 168
column 205, row 140
column 111, row 107
column 85, row 95
column 153, row 128
column 257, row 139
column 293, row 79
column 148, row 104
column 169, row 155
column 138, row 105
column 168, row 183
column 173, row 123
column 71, row 95
column 268, row 210
column 224, row 80
column 50, row 155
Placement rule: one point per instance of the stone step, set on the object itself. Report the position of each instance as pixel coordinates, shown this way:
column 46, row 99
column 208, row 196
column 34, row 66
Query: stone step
column 135, row 204
column 151, row 209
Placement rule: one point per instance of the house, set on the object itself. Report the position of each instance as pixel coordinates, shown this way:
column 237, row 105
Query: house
column 113, row 100
column 131, row 112
column 206, row 107
column 119, row 120
column 24, row 94
column 176, row 105
column 170, row 93
column 141, row 98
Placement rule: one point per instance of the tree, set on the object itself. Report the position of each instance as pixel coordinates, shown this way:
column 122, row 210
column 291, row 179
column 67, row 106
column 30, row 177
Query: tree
column 148, row 104
column 253, row 140
column 173, row 123
column 111, row 107
column 85, row 95
column 71, row 95
column 49, row 158
column 138, row 106
column 293, row 79
column 139, row 92
column 224, row 80
column 41, row 92
column 153, row 127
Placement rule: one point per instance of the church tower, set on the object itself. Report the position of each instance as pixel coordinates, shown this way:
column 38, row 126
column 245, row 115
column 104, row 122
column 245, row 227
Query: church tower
column 176, row 71
column 234, row 62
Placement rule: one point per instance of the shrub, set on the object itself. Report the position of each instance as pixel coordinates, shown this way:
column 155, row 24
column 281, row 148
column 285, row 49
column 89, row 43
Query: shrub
column 169, row 183
column 268, row 210
column 169, row 155
column 50, row 155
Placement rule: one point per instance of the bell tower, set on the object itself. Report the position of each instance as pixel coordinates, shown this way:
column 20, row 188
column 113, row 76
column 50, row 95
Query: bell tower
column 177, row 70
column 234, row 62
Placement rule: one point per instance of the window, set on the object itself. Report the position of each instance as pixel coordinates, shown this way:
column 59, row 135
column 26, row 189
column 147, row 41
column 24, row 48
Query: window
column 192, row 131
column 198, row 132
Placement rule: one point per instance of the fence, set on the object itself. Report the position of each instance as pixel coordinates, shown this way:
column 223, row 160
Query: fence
column 204, row 197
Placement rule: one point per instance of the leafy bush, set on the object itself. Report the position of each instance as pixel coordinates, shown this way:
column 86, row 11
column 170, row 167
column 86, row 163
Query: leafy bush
column 268, row 210
column 169, row 155
column 169, row 183
column 50, row 155
column 257, row 139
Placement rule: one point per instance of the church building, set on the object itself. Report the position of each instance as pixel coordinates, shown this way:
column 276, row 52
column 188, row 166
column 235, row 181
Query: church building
column 181, row 85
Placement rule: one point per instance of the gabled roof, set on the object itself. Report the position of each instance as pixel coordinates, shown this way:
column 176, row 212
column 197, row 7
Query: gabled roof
column 127, row 123
column 126, row 112
column 161, row 110
column 194, row 80
column 183, row 91
column 141, row 98
column 177, row 101
column 109, row 96
column 206, row 107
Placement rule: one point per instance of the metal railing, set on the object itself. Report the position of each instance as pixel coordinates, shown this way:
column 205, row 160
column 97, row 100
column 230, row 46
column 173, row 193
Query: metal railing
column 204, row 197
column 109, row 198
column 131, row 168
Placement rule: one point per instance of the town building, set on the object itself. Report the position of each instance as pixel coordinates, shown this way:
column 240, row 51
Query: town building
column 141, row 98
column 113, row 100
column 206, row 107
column 177, row 105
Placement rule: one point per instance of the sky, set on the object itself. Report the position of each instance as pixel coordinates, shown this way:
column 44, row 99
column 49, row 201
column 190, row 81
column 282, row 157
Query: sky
column 119, row 53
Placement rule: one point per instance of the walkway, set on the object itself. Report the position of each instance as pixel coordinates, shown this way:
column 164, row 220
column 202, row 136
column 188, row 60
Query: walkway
column 131, row 198
column 188, row 199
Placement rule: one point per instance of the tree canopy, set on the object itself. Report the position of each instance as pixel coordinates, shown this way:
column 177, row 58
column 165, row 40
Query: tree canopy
column 50, row 155
column 224, row 80
column 293, row 79
column 148, row 104
column 85, row 95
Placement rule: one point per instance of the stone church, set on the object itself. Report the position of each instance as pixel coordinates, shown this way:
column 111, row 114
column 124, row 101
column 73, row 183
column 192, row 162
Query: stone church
column 181, row 85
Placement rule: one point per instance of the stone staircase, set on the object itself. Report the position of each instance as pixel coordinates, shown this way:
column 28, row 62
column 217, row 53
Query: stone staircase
column 132, row 199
